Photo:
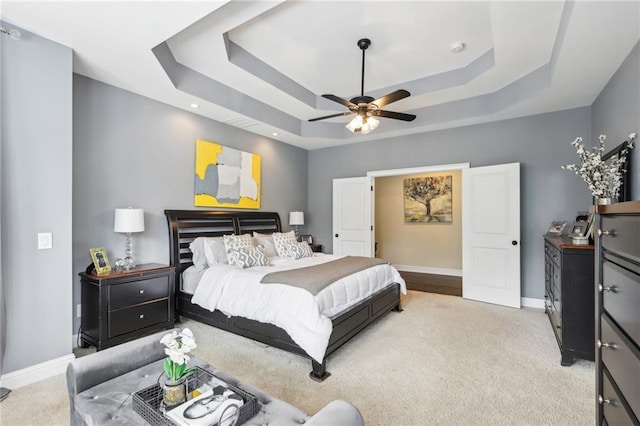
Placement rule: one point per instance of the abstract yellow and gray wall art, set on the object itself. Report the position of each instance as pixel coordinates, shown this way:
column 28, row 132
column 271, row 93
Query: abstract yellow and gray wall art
column 226, row 177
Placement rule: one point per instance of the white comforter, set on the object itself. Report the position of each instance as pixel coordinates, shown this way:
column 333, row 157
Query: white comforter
column 305, row 317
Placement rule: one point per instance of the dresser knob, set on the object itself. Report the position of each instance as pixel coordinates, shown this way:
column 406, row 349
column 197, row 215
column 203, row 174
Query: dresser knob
column 141, row 316
column 601, row 400
column 606, row 345
column 611, row 288
column 606, row 233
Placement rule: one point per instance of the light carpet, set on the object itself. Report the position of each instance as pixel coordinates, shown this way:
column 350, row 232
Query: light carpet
column 442, row 361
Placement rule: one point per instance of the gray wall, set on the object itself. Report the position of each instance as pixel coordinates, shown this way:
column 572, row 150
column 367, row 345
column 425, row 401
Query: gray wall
column 541, row 144
column 36, row 197
column 129, row 150
column 616, row 112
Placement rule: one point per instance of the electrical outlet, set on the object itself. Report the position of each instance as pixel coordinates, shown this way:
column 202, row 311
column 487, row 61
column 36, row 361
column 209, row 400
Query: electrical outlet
column 45, row 240
column 78, row 310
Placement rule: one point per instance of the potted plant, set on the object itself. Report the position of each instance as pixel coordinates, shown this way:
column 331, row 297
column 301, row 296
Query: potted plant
column 178, row 345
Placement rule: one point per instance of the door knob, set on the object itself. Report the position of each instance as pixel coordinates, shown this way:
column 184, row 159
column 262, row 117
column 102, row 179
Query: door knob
column 337, row 235
column 514, row 243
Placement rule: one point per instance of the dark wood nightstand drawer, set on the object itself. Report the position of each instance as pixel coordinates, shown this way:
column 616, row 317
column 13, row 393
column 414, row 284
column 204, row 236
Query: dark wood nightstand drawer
column 123, row 306
column 622, row 298
column 620, row 235
column 136, row 317
column 613, row 407
column 622, row 360
column 135, row 292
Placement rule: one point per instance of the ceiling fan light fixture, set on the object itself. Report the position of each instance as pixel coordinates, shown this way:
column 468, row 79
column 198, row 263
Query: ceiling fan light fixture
column 369, row 125
column 363, row 125
column 355, row 124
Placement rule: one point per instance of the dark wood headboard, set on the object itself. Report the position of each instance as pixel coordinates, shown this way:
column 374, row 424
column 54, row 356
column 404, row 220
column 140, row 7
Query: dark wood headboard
column 186, row 225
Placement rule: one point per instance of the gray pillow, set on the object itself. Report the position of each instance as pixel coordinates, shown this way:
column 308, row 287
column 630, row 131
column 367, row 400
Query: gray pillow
column 214, row 250
column 266, row 241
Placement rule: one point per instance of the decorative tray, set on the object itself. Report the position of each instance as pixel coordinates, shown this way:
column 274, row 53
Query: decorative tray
column 148, row 401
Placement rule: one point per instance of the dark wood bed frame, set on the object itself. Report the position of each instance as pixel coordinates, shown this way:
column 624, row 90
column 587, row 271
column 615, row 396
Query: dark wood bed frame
column 186, row 225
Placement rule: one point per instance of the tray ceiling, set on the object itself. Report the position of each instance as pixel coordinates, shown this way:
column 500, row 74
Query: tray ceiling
column 263, row 65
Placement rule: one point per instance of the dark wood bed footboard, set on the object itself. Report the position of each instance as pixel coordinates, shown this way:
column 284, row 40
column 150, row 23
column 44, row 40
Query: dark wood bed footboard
column 186, row 225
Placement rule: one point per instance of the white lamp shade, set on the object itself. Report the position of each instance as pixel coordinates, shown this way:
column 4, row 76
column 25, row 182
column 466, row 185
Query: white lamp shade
column 296, row 218
column 129, row 220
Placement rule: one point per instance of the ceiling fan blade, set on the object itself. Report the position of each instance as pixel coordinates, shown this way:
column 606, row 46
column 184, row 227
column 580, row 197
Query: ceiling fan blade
column 391, row 97
column 341, row 101
column 390, row 114
column 333, row 115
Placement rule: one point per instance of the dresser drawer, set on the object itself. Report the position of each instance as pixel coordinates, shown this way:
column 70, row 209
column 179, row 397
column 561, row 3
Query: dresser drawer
column 135, row 292
column 613, row 408
column 137, row 317
column 556, row 324
column 553, row 253
column 622, row 300
column 623, row 362
column 621, row 234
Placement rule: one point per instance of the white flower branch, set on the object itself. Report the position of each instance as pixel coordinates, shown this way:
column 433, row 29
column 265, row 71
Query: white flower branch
column 603, row 178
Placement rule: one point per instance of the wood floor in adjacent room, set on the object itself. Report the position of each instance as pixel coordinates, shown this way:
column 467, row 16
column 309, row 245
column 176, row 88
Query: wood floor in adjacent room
column 431, row 283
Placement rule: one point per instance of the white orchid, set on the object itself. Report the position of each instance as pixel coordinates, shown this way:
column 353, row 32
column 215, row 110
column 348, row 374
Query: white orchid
column 177, row 347
column 603, row 178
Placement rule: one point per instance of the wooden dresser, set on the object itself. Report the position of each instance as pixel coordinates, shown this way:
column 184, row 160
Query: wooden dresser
column 618, row 314
column 568, row 297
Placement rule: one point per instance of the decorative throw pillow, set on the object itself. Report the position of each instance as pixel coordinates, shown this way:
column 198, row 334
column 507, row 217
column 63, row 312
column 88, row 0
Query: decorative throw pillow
column 266, row 241
column 298, row 250
column 280, row 240
column 247, row 257
column 214, row 250
column 234, row 242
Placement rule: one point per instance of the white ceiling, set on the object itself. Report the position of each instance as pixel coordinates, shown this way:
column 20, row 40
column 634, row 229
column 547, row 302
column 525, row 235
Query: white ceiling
column 262, row 65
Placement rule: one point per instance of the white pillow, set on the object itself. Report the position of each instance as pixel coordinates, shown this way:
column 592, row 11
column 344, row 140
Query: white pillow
column 215, row 251
column 207, row 251
column 247, row 257
column 298, row 250
column 266, row 241
column 281, row 240
column 234, row 242
column 199, row 258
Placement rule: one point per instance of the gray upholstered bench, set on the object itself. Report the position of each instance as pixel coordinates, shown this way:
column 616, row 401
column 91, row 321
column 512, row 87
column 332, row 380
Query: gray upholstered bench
column 101, row 386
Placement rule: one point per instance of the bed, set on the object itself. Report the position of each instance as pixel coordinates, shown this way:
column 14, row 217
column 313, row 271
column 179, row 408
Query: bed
column 186, row 225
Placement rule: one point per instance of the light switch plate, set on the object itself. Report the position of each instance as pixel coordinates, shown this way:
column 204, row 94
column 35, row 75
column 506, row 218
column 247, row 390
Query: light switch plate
column 45, row 240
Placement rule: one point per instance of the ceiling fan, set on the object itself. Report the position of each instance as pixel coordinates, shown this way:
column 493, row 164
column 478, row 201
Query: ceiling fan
column 367, row 107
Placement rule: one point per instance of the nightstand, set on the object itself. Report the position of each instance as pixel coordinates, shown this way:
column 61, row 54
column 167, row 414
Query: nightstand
column 317, row 248
column 123, row 306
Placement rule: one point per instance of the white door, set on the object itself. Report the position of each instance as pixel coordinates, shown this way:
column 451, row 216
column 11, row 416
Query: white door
column 352, row 216
column 491, row 234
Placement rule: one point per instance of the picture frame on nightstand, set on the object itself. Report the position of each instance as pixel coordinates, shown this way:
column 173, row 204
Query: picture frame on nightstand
column 100, row 260
column 307, row 239
column 556, row 228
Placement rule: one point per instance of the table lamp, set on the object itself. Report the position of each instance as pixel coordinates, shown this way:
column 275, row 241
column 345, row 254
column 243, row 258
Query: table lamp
column 128, row 221
column 296, row 219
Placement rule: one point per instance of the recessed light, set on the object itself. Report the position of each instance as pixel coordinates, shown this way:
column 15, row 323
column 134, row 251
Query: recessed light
column 275, row 134
column 457, row 47
column 194, row 105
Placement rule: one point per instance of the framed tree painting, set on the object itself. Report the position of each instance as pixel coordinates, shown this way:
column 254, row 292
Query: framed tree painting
column 428, row 199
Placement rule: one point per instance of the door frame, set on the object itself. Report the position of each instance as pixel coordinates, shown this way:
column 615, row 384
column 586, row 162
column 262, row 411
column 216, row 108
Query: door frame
column 410, row 171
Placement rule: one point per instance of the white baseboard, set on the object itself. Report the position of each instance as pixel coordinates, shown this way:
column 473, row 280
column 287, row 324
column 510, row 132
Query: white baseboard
column 429, row 270
column 35, row 373
column 529, row 302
